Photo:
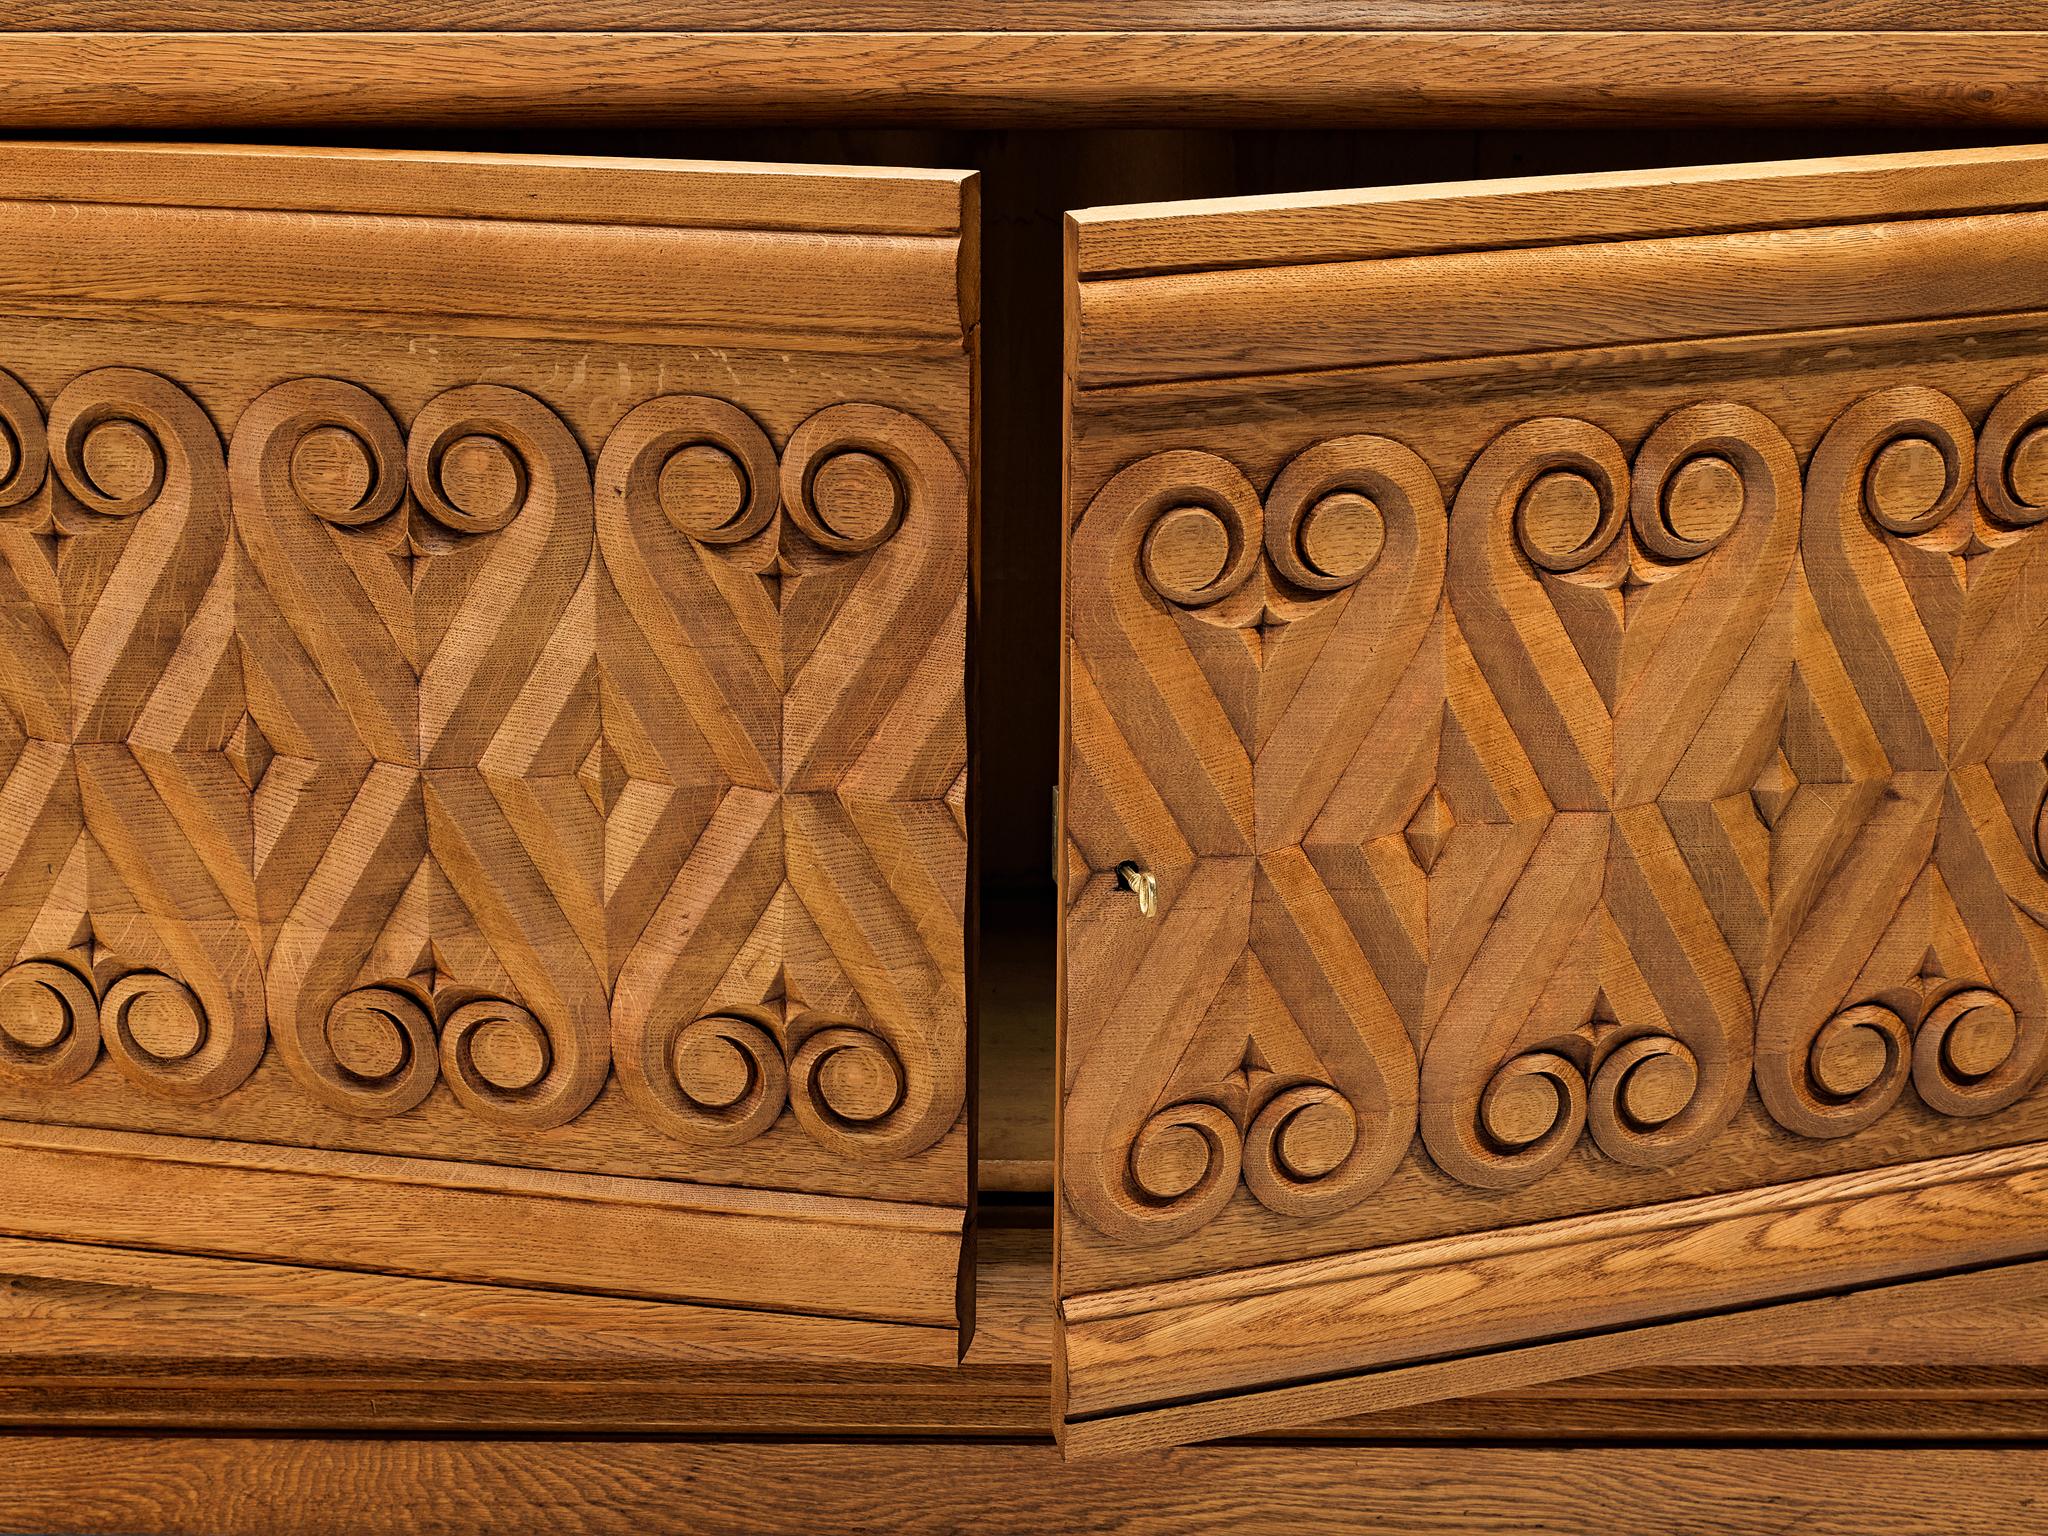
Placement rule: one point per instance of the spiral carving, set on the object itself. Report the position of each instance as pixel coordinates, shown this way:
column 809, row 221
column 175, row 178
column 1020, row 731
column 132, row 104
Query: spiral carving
column 705, row 463
column 847, row 1087
column 354, row 727
column 325, row 448
column 24, row 445
column 1326, row 513
column 1322, row 527
column 847, row 472
column 1724, row 877
column 2012, row 455
column 1179, row 1170
column 1199, row 525
column 1531, row 1112
column 159, row 1037
column 1570, row 490
column 469, row 460
column 1697, row 473
column 1973, row 1055
column 1302, row 1148
column 724, row 1081
column 377, row 1054
column 1638, row 1107
column 110, row 432
column 49, row 1023
column 503, row 1063
column 1851, row 1072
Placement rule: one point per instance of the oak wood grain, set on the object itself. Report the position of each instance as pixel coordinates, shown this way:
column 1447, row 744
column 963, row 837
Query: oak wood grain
column 228, row 1486
column 511, row 757
column 1144, row 239
column 1031, row 16
column 1531, row 299
column 1440, row 1300
column 577, row 1232
column 1564, row 784
column 150, row 82
column 112, row 1337
column 571, row 189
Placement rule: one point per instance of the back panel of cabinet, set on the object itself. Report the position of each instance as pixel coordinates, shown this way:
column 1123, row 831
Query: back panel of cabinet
column 486, row 768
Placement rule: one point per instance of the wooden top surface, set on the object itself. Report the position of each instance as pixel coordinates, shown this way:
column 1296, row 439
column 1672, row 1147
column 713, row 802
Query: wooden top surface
column 224, row 67
column 1021, row 15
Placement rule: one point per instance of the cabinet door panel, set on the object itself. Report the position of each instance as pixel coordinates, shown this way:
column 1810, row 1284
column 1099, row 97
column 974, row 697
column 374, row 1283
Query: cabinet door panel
column 1574, row 709
column 484, row 677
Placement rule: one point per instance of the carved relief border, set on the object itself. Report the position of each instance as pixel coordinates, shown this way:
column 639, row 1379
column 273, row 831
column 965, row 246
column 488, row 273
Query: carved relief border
column 425, row 754
column 1574, row 809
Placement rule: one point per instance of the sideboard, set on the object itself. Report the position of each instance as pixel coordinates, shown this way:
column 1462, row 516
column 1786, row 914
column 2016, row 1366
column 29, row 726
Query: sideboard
column 1107, row 767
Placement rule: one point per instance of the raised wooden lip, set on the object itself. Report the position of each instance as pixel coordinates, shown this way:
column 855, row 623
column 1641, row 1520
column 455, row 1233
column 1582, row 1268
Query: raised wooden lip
column 879, row 1260
column 1495, row 213
column 1321, row 1337
column 1467, row 307
column 532, row 188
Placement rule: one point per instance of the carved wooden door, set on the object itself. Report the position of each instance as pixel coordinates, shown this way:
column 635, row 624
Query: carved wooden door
column 485, row 768
column 1557, row 691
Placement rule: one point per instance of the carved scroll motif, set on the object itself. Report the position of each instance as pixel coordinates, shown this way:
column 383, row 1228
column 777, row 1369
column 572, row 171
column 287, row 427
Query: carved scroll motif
column 318, row 732
column 807, row 950
column 1926, row 956
column 422, row 613
column 136, row 522
column 1700, row 772
column 1251, row 641
column 1608, row 623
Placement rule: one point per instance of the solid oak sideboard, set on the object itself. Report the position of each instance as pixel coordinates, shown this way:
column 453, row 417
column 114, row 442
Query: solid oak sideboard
column 785, row 733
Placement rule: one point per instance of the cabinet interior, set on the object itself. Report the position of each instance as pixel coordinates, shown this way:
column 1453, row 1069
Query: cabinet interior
column 1029, row 180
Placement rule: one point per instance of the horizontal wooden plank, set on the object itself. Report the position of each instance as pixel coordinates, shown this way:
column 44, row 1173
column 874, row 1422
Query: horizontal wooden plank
column 120, row 1306
column 1017, row 15
column 1272, row 320
column 570, row 189
column 144, row 1485
column 1323, row 1318
column 610, row 278
column 483, row 1223
column 1376, row 222
column 152, row 82
column 116, row 1337
column 1783, row 1328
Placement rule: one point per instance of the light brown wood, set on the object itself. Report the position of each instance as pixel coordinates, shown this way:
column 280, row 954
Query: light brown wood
column 470, row 1221
column 1323, row 1319
column 230, row 1486
column 507, row 276
column 250, row 82
column 413, row 771
column 1026, row 15
column 1652, row 814
column 1406, row 220
column 1535, row 1373
column 113, row 1337
column 1544, row 298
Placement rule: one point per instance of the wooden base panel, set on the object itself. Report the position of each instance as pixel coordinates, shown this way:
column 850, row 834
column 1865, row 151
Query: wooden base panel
column 870, row 1259
column 111, row 1338
column 148, row 1486
column 1137, row 1363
